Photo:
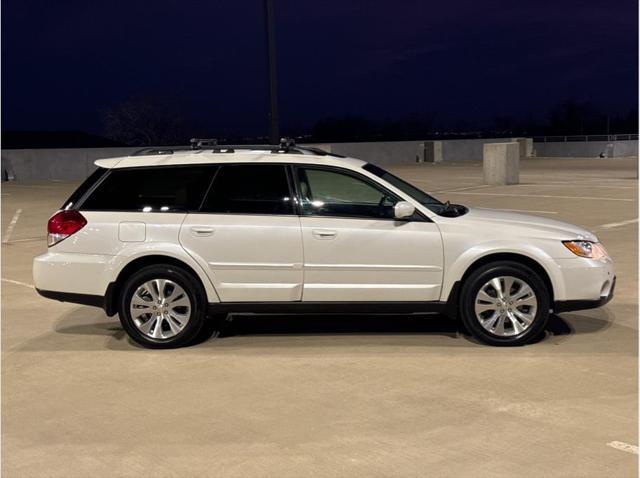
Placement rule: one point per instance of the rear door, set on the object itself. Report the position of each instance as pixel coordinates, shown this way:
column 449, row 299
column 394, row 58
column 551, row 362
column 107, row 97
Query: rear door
column 247, row 234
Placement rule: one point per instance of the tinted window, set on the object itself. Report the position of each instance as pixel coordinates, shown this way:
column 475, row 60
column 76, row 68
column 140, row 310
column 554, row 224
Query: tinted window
column 157, row 189
column 417, row 194
column 250, row 189
column 332, row 193
column 83, row 188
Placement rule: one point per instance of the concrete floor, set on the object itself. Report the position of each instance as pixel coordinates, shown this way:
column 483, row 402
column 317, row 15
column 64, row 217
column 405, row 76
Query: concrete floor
column 331, row 396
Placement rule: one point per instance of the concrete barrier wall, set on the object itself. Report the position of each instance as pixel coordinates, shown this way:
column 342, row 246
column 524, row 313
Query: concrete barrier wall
column 399, row 152
column 383, row 152
column 71, row 164
column 48, row 164
column 586, row 149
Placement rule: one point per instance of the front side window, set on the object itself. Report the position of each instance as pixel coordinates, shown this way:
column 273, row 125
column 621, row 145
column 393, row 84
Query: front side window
column 250, row 189
column 156, row 189
column 333, row 193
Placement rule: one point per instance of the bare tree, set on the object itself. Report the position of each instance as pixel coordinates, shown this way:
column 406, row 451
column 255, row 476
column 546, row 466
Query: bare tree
column 145, row 122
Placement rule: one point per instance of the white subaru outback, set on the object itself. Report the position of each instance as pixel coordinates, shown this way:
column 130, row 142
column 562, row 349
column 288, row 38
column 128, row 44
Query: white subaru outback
column 172, row 240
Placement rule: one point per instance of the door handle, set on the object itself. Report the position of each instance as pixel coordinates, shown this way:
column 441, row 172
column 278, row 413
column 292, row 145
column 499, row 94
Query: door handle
column 201, row 231
column 324, row 233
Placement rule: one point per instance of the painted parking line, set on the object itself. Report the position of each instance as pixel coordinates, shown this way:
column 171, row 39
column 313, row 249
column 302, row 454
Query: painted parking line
column 613, row 225
column 520, row 210
column 26, row 239
column 12, row 225
column 545, row 196
column 17, row 282
column 622, row 446
column 462, row 189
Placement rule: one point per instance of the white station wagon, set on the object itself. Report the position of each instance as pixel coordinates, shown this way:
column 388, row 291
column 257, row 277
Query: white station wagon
column 172, row 240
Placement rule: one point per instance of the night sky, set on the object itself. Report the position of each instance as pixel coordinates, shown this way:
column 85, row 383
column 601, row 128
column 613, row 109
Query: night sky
column 65, row 62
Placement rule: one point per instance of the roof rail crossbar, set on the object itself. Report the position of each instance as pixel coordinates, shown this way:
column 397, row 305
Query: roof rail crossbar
column 198, row 143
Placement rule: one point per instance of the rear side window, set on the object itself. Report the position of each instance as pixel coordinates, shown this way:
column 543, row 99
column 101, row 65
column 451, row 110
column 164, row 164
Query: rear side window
column 158, row 189
column 250, row 189
column 83, row 188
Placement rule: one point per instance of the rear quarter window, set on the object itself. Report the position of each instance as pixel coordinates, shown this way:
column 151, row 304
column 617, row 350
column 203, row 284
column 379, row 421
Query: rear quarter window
column 86, row 185
column 157, row 189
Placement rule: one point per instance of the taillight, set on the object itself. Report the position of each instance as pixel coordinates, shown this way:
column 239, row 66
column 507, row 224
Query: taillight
column 62, row 224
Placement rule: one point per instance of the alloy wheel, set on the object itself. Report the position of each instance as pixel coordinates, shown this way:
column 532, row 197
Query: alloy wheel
column 160, row 309
column 506, row 306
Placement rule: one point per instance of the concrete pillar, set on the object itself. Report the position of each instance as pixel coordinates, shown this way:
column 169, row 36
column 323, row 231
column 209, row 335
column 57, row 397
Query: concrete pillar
column 529, row 153
column 432, row 151
column 501, row 163
column 522, row 144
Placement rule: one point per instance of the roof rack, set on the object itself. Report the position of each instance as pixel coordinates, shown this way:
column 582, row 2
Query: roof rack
column 198, row 143
column 287, row 145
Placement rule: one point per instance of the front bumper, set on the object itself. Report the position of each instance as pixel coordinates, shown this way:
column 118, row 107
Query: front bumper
column 582, row 304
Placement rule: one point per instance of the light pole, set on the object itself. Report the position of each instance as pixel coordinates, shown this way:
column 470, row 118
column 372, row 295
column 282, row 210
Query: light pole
column 269, row 15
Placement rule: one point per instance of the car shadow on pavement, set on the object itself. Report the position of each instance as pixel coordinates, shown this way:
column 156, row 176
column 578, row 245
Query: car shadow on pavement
column 79, row 328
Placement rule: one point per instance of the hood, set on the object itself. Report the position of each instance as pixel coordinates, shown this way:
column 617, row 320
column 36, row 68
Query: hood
column 529, row 224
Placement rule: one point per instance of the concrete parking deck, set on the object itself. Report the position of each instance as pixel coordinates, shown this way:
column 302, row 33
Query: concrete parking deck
column 331, row 396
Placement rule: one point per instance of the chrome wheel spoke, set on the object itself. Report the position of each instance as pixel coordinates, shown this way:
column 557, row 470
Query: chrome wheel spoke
column 157, row 328
column 498, row 329
column 515, row 324
column 181, row 302
column 480, row 307
column 147, row 326
column 508, row 285
column 523, row 293
column 529, row 301
column 491, row 321
column 175, row 327
column 483, row 296
column 181, row 318
column 497, row 285
column 527, row 318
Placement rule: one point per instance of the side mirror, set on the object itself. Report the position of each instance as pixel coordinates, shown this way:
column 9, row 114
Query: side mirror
column 403, row 210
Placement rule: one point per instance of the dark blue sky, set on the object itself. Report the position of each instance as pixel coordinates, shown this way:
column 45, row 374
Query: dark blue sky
column 63, row 62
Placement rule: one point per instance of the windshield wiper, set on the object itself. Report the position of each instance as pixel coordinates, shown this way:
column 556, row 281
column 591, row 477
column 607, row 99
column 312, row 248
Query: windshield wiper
column 452, row 210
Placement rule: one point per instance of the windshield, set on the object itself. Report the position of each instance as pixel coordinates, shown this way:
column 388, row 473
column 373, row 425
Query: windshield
column 417, row 194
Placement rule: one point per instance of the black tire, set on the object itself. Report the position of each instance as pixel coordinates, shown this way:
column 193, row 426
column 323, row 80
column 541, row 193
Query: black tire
column 478, row 278
column 197, row 321
column 212, row 328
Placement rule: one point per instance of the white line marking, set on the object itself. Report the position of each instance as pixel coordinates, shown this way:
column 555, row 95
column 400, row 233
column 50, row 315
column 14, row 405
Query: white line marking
column 17, row 282
column 462, row 189
column 26, row 239
column 547, row 196
column 590, row 186
column 520, row 210
column 622, row 446
column 11, row 226
column 612, row 225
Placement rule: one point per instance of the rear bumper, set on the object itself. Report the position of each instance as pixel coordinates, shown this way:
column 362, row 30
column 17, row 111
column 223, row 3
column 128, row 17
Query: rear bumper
column 84, row 299
column 572, row 305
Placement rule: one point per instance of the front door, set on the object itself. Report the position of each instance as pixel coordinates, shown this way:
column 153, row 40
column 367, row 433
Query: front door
column 247, row 235
column 354, row 250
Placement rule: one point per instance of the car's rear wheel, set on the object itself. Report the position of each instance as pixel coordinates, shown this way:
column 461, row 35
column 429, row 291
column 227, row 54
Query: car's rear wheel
column 163, row 306
column 504, row 303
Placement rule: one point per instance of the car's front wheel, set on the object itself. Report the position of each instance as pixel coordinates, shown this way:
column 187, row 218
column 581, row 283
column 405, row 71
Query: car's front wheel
column 163, row 306
column 504, row 303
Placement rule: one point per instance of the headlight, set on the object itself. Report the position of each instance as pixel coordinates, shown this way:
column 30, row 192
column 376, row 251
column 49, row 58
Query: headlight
column 590, row 250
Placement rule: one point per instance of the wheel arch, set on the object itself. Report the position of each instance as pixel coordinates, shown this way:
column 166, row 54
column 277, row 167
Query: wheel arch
column 114, row 287
column 452, row 293
column 513, row 257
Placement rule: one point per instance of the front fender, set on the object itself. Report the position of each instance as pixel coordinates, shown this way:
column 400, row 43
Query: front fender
column 458, row 264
